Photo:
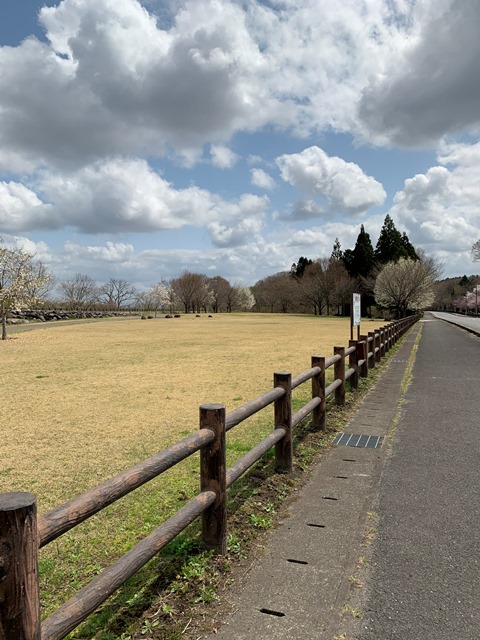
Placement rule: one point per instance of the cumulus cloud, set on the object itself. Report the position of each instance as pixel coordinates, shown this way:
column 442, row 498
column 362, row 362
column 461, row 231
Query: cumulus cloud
column 113, row 79
column 222, row 157
column 432, row 88
column 262, row 179
column 110, row 81
column 439, row 208
column 118, row 196
column 343, row 185
column 21, row 209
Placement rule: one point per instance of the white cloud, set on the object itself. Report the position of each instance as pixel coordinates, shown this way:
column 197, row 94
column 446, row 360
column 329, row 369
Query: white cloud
column 439, row 209
column 113, row 80
column 118, row 196
column 342, row 184
column 222, row 157
column 431, row 89
column 21, row 209
column 262, row 179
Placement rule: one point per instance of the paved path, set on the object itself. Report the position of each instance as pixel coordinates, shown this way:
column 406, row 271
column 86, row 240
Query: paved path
column 425, row 582
column 467, row 322
column 423, row 579
column 298, row 586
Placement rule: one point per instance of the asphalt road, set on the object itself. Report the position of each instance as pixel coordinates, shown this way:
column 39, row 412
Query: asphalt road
column 425, row 577
column 467, row 322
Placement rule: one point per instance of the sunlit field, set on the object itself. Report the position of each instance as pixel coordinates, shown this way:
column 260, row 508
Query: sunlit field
column 81, row 403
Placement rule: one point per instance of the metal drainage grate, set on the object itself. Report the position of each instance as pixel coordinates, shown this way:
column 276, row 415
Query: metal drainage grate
column 358, row 440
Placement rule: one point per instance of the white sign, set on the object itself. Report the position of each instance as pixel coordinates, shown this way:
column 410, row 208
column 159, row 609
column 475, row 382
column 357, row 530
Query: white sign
column 356, row 309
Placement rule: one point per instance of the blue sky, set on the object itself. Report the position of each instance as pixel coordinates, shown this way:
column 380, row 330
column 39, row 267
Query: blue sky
column 138, row 139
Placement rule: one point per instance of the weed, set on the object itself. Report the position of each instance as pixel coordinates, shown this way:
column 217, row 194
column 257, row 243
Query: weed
column 352, row 611
column 260, row 521
column 355, row 582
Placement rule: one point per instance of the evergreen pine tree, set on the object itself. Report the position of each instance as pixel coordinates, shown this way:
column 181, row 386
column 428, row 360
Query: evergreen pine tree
column 390, row 245
column 409, row 247
column 298, row 268
column 362, row 257
column 337, row 253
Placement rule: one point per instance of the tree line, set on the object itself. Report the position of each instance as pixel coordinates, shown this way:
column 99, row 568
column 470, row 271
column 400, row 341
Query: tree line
column 393, row 275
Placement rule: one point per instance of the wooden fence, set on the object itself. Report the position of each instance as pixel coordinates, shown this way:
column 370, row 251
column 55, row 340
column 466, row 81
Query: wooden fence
column 22, row 533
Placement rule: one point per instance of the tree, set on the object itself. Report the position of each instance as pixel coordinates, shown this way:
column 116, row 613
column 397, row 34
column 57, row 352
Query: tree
column 342, row 285
column 360, row 261
column 191, row 289
column 337, row 253
column 80, row 292
column 276, row 292
column 406, row 285
column 116, row 292
column 312, row 286
column 245, row 299
column 409, row 248
column 41, row 283
column 476, row 251
column 155, row 298
column 298, row 268
column 391, row 245
column 220, row 293
column 21, row 281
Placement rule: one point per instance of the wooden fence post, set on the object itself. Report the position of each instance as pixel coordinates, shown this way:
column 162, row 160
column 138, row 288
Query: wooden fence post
column 283, row 418
column 371, row 337
column 339, row 373
column 19, row 593
column 318, row 391
column 383, row 346
column 388, row 337
column 213, row 469
column 376, row 342
column 353, row 364
column 364, row 367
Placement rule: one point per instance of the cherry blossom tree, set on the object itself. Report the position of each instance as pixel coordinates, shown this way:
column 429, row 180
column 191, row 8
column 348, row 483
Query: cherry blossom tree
column 21, row 281
column 406, row 285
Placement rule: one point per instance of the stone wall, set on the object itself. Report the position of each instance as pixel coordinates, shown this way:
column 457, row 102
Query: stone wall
column 26, row 316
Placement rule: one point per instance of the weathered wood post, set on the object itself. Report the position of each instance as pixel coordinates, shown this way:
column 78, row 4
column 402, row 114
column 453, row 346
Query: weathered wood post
column 19, row 593
column 378, row 349
column 213, row 469
column 339, row 373
column 387, row 337
column 353, row 364
column 372, row 343
column 364, row 367
column 318, row 391
column 381, row 342
column 283, row 419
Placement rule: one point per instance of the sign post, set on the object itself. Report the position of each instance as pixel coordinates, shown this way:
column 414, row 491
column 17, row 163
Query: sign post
column 355, row 315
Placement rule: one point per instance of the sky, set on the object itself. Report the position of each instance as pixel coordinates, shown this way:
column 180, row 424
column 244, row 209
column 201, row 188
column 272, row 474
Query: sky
column 139, row 139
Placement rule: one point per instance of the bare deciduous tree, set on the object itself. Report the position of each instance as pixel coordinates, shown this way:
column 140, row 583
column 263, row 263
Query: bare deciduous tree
column 116, row 292
column 21, row 281
column 407, row 285
column 221, row 290
column 79, row 292
column 191, row 289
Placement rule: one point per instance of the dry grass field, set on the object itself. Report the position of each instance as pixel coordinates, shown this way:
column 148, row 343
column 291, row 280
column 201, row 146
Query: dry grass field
column 83, row 402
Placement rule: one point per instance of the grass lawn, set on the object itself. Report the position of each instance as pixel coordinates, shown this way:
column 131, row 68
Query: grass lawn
column 81, row 403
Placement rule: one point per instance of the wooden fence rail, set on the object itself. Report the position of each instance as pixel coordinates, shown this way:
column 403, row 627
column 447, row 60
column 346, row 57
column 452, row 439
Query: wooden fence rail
column 22, row 533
